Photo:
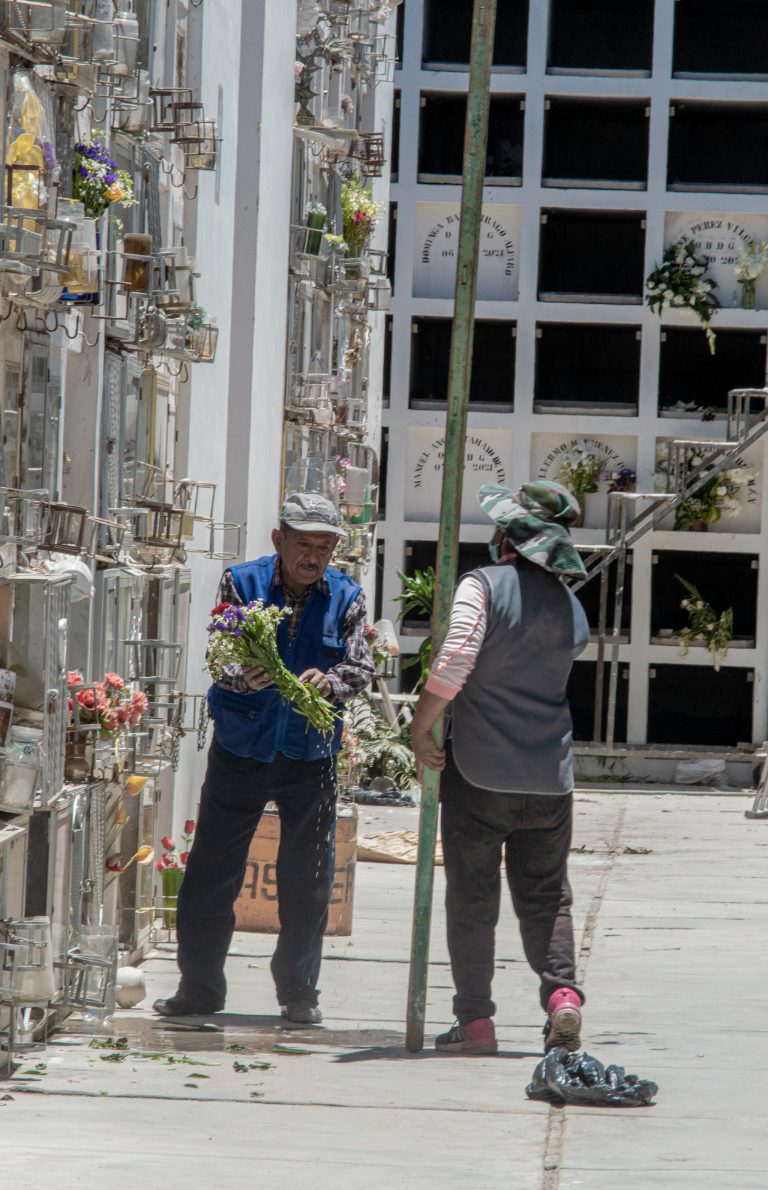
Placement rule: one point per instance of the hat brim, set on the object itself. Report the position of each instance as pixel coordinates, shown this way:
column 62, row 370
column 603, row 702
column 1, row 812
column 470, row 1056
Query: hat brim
column 315, row 527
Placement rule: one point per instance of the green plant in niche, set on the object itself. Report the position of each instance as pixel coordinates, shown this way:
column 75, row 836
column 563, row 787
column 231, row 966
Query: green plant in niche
column 418, row 595
column 704, row 626
column 680, row 283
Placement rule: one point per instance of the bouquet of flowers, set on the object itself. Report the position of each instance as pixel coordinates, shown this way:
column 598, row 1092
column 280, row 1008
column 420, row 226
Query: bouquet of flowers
column 108, row 703
column 96, row 181
column 620, row 481
column 581, row 469
column 705, row 627
column 248, row 636
column 359, row 216
column 752, row 262
column 680, row 283
column 718, row 497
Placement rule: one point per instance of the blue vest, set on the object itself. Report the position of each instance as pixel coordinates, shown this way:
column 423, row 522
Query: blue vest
column 260, row 724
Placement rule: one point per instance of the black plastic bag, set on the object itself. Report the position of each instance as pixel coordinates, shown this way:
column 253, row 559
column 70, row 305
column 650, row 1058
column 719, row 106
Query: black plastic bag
column 578, row 1078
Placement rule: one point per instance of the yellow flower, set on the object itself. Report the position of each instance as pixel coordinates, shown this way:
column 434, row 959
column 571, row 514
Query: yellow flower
column 114, row 193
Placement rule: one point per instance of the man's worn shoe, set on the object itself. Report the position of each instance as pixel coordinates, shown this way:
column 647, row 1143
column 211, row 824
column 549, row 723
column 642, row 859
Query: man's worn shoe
column 563, row 1025
column 302, row 1012
column 475, row 1037
column 181, row 1006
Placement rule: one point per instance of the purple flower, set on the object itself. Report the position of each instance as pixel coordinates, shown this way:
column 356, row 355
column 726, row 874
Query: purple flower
column 49, row 154
column 81, row 148
column 83, row 171
column 110, row 178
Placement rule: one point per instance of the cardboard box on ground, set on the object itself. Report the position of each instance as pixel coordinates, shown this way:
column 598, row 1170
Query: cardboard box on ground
column 256, row 907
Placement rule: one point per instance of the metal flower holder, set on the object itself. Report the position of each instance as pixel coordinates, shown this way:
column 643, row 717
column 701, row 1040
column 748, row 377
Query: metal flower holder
column 225, row 541
column 196, row 499
column 26, row 982
column 31, row 242
column 361, row 485
column 41, row 22
column 22, row 514
column 90, row 972
column 155, row 665
column 64, row 528
column 349, row 276
column 198, row 140
column 310, row 400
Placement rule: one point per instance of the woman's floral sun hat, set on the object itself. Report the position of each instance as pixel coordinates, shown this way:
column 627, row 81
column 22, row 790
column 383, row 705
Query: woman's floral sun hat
column 535, row 520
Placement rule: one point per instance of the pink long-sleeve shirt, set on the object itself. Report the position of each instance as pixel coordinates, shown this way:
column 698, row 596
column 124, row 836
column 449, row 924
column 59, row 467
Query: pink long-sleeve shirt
column 466, row 632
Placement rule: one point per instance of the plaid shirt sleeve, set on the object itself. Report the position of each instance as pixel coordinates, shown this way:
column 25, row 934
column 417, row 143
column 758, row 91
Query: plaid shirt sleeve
column 357, row 669
column 232, row 676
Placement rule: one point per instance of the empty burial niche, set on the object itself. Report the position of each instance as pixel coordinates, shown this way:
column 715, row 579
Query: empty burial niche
column 722, row 580
column 447, row 35
column 600, row 37
column 697, row 705
column 596, row 143
column 592, row 256
column 689, row 375
column 589, row 597
column 581, row 696
column 587, row 368
column 714, row 39
column 718, row 146
column 441, row 138
column 394, row 152
column 386, row 381
column 493, row 364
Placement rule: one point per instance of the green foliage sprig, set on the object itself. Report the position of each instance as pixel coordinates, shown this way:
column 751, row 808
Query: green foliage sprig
column 704, row 625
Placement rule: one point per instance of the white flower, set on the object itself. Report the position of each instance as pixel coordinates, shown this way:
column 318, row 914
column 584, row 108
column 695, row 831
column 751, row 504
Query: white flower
column 678, row 300
column 668, row 295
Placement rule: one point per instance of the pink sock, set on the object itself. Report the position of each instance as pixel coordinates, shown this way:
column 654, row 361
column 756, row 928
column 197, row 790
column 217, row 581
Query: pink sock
column 563, row 998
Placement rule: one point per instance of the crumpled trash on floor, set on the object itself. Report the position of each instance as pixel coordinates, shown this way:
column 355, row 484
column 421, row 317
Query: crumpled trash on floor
column 701, row 772
column 393, row 847
column 579, row 1078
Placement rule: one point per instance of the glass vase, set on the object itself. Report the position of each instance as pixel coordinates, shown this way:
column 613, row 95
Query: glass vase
column 747, row 294
column 172, row 878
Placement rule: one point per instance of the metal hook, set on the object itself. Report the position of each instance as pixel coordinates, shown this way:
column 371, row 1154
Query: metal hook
column 76, row 332
column 170, row 370
column 21, row 321
column 85, row 105
column 87, row 342
column 184, row 373
column 51, row 329
column 170, row 168
column 5, row 317
column 190, row 197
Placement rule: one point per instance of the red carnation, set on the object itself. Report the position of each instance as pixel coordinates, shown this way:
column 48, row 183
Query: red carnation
column 220, row 607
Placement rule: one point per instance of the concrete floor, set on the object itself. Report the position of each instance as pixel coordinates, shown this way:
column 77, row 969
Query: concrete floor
column 670, row 911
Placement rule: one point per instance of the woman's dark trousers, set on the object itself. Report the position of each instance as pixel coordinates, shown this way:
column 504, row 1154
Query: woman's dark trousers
column 535, row 830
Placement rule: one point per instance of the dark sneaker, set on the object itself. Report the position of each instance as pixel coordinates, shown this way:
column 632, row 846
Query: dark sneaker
column 563, row 1028
column 476, row 1037
column 181, row 1006
column 302, row 1012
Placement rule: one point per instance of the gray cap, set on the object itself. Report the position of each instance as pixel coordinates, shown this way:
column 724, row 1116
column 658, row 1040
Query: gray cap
column 311, row 513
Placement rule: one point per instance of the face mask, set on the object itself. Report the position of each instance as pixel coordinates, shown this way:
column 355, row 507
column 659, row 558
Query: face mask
column 493, row 550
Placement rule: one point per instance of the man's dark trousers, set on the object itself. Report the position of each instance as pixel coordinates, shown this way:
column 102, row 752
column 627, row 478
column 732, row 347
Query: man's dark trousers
column 535, row 830
column 234, row 794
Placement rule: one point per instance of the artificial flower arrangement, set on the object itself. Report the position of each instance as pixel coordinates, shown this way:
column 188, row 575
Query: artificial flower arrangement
column 108, row 704
column 623, row 480
column 680, row 283
column 717, row 498
column 751, row 264
column 248, row 636
column 705, row 626
column 359, row 216
column 96, row 181
column 173, row 858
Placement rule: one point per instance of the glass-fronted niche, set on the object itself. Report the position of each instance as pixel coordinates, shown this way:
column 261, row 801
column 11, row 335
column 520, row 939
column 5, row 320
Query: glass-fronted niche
column 150, row 608
column 139, row 433
column 30, row 420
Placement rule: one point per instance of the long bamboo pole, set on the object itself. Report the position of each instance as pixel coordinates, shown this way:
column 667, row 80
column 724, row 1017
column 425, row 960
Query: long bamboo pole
column 475, row 144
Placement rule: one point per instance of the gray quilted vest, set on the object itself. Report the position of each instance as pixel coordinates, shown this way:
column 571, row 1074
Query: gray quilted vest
column 512, row 729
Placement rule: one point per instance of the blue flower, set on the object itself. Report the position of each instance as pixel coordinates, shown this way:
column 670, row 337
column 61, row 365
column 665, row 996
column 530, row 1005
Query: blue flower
column 83, row 171
column 110, row 178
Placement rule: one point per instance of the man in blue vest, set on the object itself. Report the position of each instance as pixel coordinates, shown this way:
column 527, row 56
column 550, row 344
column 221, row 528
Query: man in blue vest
column 264, row 751
column 503, row 668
